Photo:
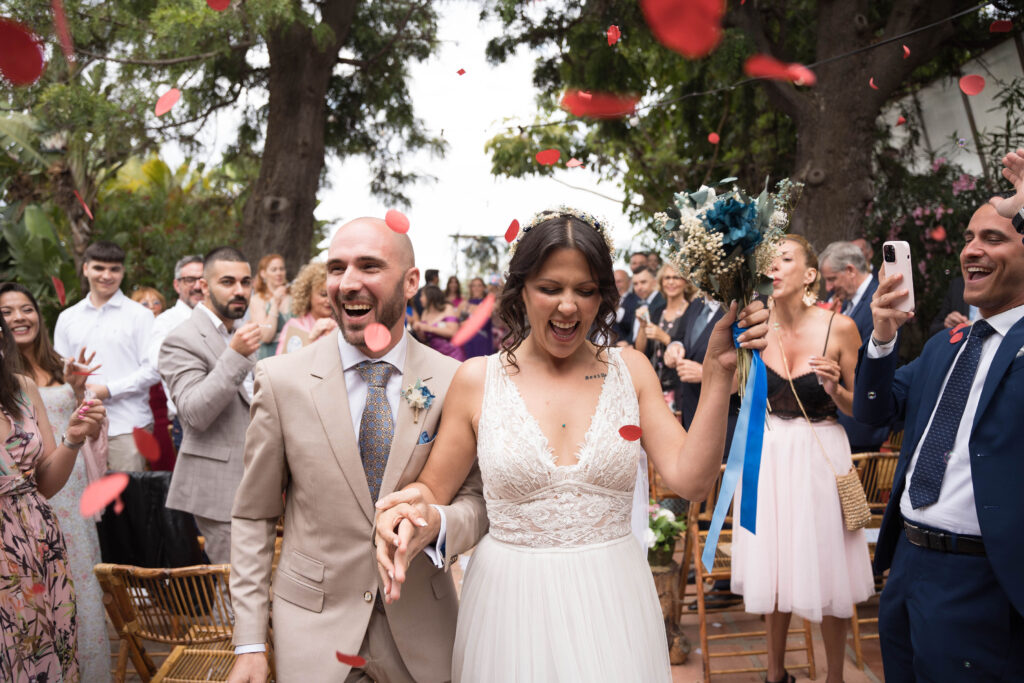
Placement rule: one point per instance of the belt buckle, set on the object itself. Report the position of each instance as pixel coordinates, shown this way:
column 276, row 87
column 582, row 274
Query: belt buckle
column 934, row 540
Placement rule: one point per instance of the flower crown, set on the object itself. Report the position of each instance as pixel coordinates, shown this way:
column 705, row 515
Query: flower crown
column 601, row 225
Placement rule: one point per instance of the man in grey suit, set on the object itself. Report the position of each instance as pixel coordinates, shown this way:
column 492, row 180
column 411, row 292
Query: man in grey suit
column 207, row 364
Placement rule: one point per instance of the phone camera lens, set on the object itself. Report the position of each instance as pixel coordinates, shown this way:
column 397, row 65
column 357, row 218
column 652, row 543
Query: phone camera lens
column 890, row 253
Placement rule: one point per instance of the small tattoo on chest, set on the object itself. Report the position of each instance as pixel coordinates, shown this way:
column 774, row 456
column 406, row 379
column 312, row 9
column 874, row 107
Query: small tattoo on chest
column 600, row 375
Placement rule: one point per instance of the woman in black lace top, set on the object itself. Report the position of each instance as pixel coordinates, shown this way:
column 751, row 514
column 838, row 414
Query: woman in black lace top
column 802, row 559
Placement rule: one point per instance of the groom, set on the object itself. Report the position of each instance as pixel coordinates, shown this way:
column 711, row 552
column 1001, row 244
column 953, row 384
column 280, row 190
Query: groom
column 332, row 432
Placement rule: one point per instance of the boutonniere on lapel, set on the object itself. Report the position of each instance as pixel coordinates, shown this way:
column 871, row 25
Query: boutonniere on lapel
column 418, row 396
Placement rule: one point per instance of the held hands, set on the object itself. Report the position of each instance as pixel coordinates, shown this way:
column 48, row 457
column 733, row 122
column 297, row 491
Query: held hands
column 246, row 339
column 1013, row 170
column 77, row 371
column 406, row 525
column 886, row 318
column 828, row 373
column 721, row 353
column 86, row 420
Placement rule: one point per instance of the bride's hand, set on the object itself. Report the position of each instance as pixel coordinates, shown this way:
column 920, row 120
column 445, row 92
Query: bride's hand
column 721, row 350
column 406, row 524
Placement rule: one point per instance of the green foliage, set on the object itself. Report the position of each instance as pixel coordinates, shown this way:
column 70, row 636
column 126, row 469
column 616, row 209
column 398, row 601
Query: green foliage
column 665, row 526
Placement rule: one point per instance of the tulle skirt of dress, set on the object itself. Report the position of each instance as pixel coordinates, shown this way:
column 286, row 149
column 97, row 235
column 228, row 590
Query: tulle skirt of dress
column 802, row 557
column 550, row 615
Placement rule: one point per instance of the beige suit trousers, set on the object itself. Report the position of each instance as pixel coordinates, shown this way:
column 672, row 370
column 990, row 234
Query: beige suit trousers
column 383, row 660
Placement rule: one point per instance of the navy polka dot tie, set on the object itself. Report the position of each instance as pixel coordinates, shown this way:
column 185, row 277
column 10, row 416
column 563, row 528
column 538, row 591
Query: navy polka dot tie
column 377, row 427
column 938, row 442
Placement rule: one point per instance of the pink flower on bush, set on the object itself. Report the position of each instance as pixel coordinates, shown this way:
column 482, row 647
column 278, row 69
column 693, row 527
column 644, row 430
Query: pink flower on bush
column 964, row 183
column 938, row 163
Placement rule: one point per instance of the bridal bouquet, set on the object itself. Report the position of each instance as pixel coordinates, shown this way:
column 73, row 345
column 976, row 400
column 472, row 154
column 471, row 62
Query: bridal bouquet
column 724, row 242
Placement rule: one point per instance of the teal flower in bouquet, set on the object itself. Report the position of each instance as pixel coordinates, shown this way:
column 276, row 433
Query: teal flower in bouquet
column 738, row 223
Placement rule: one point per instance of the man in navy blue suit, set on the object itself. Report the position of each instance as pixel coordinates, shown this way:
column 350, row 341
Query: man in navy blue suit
column 847, row 276
column 952, row 532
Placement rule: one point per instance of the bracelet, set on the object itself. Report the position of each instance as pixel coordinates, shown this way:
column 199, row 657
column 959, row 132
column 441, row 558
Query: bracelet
column 70, row 444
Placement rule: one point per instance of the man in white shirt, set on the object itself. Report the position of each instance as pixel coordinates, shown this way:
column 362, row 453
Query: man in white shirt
column 951, row 537
column 117, row 329
column 187, row 273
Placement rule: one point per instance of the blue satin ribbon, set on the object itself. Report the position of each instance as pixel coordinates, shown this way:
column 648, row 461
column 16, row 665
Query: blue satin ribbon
column 744, row 457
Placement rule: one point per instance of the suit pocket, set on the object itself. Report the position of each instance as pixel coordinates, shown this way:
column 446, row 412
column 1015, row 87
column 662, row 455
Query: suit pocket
column 294, row 591
column 305, row 566
column 218, row 452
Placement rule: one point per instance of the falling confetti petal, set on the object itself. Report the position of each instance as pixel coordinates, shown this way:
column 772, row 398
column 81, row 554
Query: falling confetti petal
column 84, row 205
column 167, row 101
column 972, row 84
column 573, row 163
column 871, row 82
column 901, row 120
column 461, row 72
column 613, row 34
column 38, row 588
column 397, row 221
column 146, row 444
column 765, row 66
column 377, row 337
column 352, row 660
column 548, row 157
column 512, row 231
column 101, row 493
column 118, row 506
column 21, row 59
column 630, row 432
column 58, row 285
column 599, row 105
column 906, row 52
column 218, row 5
column 1001, row 26
column 713, row 138
column 693, row 28
column 60, row 25
column 957, row 333
column 939, row 234
column 477, row 319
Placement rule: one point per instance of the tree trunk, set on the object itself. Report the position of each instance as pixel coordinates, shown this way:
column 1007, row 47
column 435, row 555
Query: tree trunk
column 63, row 183
column 278, row 216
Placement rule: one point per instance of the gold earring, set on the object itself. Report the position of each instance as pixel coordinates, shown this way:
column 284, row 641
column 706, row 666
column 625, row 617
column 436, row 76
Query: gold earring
column 810, row 297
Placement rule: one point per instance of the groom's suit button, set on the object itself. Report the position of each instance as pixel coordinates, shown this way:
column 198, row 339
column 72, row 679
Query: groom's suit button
column 368, row 596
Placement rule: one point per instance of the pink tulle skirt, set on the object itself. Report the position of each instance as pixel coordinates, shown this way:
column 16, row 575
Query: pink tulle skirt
column 802, row 558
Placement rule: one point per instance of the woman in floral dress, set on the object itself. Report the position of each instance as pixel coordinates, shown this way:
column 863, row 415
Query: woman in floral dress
column 38, row 635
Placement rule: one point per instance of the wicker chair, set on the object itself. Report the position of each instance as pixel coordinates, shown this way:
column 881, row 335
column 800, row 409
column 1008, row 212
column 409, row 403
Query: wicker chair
column 188, row 608
column 723, row 570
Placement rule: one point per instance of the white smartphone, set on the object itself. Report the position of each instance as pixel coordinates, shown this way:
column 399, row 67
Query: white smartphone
column 896, row 259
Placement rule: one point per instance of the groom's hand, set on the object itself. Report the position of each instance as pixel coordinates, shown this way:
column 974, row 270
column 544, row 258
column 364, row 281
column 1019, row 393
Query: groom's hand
column 406, row 525
column 250, row 668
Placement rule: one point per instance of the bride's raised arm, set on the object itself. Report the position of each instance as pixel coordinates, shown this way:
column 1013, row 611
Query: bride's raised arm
column 689, row 463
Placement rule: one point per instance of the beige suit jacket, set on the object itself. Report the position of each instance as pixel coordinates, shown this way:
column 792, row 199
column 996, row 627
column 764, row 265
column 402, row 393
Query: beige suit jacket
column 301, row 443
column 205, row 378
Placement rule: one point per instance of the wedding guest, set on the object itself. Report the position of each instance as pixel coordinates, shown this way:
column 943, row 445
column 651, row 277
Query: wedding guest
column 622, row 281
column 481, row 344
column 438, row 323
column 802, row 558
column 431, row 276
column 649, row 301
column 39, row 638
column 637, row 260
column 61, row 386
column 654, row 261
column 150, row 298
column 311, row 310
column 118, row 330
column 453, row 291
column 155, row 302
column 271, row 303
column 665, row 326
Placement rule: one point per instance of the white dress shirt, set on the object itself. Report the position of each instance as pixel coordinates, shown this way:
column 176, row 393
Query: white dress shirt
column 643, row 302
column 954, row 510
column 163, row 326
column 248, row 382
column 118, row 331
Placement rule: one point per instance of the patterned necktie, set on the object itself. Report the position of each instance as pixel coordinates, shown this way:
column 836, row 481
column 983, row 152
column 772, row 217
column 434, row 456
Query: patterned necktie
column 938, row 442
column 377, row 427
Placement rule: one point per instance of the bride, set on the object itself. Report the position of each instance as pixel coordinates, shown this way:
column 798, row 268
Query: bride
column 557, row 590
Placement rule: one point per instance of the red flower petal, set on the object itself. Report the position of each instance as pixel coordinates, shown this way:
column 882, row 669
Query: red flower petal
column 101, row 493
column 959, row 328
column 60, row 25
column 599, row 105
column 512, row 231
column 613, row 34
column 461, row 72
column 573, row 163
column 939, row 234
column 397, row 221
column 766, row 66
column 906, row 52
column 1001, row 26
column 146, row 443
column 21, row 59
column 900, row 121
column 84, row 205
column 218, row 5
column 58, row 285
column 630, row 432
column 352, row 660
column 377, row 337
column 972, row 84
column 871, row 82
column 713, row 138
column 38, row 588
column 693, row 28
column 475, row 321
column 954, row 339
column 801, row 75
column 548, row 157
column 167, row 101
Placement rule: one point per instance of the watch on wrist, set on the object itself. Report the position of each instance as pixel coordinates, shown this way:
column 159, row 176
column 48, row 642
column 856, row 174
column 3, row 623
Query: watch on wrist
column 70, row 444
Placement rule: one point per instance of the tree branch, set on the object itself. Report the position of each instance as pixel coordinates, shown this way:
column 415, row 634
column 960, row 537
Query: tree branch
column 399, row 30
column 161, row 62
column 783, row 95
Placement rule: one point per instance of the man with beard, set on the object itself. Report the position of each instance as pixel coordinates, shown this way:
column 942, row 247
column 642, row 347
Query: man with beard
column 207, row 365
column 335, row 426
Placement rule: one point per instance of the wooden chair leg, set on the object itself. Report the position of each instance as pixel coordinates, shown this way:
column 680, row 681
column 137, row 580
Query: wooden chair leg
column 809, row 645
column 855, row 628
column 121, row 669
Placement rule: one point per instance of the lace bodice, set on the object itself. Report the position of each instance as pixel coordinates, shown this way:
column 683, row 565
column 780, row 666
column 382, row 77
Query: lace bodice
column 533, row 502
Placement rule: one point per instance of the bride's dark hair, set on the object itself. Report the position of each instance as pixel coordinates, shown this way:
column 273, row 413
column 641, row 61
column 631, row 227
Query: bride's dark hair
column 532, row 250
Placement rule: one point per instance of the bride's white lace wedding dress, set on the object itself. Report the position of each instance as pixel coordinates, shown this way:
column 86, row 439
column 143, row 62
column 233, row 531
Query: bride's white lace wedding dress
column 559, row 589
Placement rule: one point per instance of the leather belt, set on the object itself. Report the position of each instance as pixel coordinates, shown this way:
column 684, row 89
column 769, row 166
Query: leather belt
column 943, row 541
